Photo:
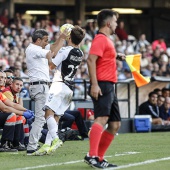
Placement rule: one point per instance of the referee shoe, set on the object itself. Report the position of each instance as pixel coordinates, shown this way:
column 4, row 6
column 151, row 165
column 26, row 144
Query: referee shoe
column 93, row 162
column 105, row 164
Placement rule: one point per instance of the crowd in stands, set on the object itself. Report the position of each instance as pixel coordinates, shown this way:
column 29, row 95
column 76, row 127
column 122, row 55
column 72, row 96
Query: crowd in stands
column 15, row 37
column 157, row 106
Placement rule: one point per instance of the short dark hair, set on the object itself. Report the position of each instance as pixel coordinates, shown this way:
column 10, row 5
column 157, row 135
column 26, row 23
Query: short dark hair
column 165, row 89
column 40, row 33
column 103, row 15
column 8, row 71
column 152, row 93
column 17, row 78
column 77, row 35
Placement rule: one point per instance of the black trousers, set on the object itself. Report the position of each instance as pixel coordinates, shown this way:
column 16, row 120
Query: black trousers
column 69, row 117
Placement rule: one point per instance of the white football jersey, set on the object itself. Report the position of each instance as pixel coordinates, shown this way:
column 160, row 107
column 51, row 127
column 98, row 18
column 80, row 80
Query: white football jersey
column 67, row 62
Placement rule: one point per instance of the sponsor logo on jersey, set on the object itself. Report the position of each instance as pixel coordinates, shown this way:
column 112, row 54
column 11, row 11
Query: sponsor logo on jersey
column 76, row 58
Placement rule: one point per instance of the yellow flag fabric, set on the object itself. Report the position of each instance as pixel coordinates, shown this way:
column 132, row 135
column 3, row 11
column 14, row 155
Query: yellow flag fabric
column 133, row 62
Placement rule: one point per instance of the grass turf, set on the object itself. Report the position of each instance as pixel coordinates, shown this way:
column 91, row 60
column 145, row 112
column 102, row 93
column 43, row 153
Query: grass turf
column 129, row 148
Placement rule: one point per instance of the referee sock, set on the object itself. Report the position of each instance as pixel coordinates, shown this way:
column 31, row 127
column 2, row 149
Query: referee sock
column 52, row 127
column 105, row 142
column 95, row 135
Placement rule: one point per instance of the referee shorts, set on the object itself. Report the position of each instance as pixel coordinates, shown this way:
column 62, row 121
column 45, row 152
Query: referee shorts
column 107, row 104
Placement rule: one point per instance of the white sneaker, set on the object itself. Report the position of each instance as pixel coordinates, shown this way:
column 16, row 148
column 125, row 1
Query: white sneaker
column 42, row 151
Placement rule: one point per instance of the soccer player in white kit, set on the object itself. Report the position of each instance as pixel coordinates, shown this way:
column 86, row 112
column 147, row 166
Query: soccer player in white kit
column 60, row 94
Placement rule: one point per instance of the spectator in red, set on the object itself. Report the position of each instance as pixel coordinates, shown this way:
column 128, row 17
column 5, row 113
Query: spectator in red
column 159, row 43
column 4, row 17
column 120, row 31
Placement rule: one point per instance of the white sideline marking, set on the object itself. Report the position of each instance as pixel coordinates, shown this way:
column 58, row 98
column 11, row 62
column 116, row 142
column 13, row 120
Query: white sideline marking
column 126, row 153
column 140, row 163
column 71, row 162
column 49, row 165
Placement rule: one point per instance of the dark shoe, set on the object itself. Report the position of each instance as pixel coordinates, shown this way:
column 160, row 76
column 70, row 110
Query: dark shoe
column 21, row 147
column 106, row 164
column 93, row 162
column 30, row 152
column 84, row 136
column 6, row 148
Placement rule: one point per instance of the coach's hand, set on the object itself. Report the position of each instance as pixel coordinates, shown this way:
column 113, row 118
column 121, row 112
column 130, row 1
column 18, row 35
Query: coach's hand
column 95, row 91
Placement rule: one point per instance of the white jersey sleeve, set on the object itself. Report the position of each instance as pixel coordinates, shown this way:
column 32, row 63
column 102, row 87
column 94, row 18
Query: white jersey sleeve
column 47, row 47
column 61, row 56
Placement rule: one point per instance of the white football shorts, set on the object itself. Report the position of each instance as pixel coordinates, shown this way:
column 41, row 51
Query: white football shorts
column 59, row 98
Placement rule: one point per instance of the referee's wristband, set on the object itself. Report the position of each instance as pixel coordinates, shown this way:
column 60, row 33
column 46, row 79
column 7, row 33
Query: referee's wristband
column 119, row 57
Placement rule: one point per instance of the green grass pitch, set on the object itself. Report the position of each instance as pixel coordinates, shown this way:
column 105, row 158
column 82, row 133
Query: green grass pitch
column 130, row 151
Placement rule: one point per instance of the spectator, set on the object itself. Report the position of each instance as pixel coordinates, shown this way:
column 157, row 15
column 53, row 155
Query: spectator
column 17, row 72
column 120, row 31
column 159, row 44
column 158, row 91
column 56, row 26
column 2, row 80
column 165, row 92
column 150, row 107
column 86, row 47
column 165, row 111
column 11, row 61
column 142, row 43
column 18, row 65
column 37, row 26
column 79, row 23
column 90, row 28
column 9, row 77
column 69, row 117
column 11, row 93
column 11, row 133
column 161, row 100
column 4, row 17
column 26, row 28
column 7, row 122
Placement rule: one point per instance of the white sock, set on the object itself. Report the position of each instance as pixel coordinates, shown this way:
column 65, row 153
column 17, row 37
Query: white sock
column 48, row 139
column 52, row 127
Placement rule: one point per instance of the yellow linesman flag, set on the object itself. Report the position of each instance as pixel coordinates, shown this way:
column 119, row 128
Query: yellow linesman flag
column 133, row 62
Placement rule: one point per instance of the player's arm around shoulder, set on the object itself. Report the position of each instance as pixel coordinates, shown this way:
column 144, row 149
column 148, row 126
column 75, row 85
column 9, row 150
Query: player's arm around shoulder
column 49, row 57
